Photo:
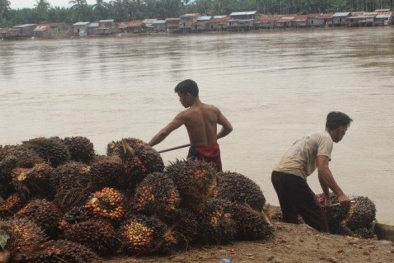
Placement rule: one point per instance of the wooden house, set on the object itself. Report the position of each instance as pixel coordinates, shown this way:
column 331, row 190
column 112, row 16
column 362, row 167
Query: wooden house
column 26, row 30
column 299, row 21
column 384, row 17
column 135, row 26
column 187, row 20
column 285, row 21
column 320, row 20
column 4, row 33
column 80, row 27
column 340, row 18
column 172, row 25
column 242, row 20
column 159, row 26
column 201, row 24
column 148, row 24
column 268, row 21
column 50, row 30
column 92, row 28
column 217, row 23
column 107, row 27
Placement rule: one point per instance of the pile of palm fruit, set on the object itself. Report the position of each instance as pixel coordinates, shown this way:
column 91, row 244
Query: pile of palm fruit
column 64, row 203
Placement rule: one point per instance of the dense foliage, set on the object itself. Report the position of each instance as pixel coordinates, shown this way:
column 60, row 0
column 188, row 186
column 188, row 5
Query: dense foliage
column 126, row 10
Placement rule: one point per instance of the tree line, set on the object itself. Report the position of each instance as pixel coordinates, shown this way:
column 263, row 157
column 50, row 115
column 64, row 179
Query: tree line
column 126, row 10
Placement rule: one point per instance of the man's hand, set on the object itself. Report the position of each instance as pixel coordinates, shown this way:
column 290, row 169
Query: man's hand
column 344, row 201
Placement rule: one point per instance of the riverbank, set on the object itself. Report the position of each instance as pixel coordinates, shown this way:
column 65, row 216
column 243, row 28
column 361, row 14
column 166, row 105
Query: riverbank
column 291, row 243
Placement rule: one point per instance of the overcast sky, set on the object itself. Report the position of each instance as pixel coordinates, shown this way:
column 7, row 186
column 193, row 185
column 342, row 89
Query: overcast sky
column 15, row 4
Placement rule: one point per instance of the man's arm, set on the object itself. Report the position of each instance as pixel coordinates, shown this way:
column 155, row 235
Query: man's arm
column 163, row 133
column 327, row 180
column 226, row 126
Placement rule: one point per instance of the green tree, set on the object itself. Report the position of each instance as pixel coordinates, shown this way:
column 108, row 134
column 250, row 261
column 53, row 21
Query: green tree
column 4, row 8
column 79, row 9
column 42, row 7
column 100, row 9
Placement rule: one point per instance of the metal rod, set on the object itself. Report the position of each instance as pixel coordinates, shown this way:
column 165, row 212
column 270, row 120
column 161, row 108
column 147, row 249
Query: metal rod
column 174, row 148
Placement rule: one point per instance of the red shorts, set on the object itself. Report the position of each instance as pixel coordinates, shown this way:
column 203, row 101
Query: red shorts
column 209, row 154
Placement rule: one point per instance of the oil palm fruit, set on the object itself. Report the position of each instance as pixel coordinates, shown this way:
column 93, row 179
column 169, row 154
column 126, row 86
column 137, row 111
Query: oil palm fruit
column 44, row 213
column 12, row 205
column 238, row 188
column 107, row 204
column 106, row 171
column 216, row 224
column 116, row 148
column 52, row 149
column 156, row 195
column 142, row 235
column 20, row 234
column 81, row 148
column 34, row 182
column 362, row 213
column 98, row 235
column 251, row 224
column 72, row 183
column 57, row 251
column 194, row 180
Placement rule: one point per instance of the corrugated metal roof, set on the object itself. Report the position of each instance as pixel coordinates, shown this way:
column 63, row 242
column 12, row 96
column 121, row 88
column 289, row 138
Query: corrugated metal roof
column 134, row 23
column 204, row 18
column 384, row 15
column 191, row 15
column 341, row 14
column 159, row 22
column 94, row 24
column 218, row 19
column 243, row 13
column 173, row 19
column 106, row 21
column 149, row 21
column 41, row 28
column 81, row 23
column 25, row 25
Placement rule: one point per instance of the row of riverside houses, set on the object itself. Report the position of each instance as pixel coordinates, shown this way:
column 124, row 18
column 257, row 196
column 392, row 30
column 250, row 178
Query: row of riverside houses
column 200, row 23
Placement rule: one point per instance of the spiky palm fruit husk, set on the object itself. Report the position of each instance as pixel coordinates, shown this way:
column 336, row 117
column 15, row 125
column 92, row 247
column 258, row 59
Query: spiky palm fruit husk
column 238, row 188
column 251, row 224
column 362, row 213
column 194, row 180
column 145, row 161
column 44, row 213
column 12, row 205
column 75, row 215
column 35, row 182
column 52, row 149
column 107, row 204
column 363, row 232
column 156, row 195
column 182, row 231
column 98, row 235
column 56, row 252
column 81, row 148
column 142, row 235
column 106, row 171
column 14, row 156
column 116, row 148
column 21, row 234
column 73, row 184
column 216, row 224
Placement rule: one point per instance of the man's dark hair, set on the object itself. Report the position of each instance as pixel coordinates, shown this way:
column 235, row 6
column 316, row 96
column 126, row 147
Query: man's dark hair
column 337, row 119
column 187, row 86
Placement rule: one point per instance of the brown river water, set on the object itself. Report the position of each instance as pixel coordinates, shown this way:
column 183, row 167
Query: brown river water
column 274, row 86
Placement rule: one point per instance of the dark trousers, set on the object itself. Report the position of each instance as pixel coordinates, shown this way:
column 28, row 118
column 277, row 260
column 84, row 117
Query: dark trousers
column 297, row 198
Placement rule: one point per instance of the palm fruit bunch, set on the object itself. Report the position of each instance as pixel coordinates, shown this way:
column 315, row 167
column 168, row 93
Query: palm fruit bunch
column 44, row 213
column 81, row 148
column 106, row 171
column 216, row 223
column 238, row 188
column 57, row 251
column 73, row 184
column 107, row 204
column 75, row 215
column 100, row 236
column 20, row 234
column 156, row 195
column 12, row 205
column 142, row 235
column 251, row 224
column 361, row 215
column 182, row 231
column 117, row 148
column 11, row 157
column 275, row 213
column 336, row 216
column 52, row 149
column 34, row 182
column 195, row 181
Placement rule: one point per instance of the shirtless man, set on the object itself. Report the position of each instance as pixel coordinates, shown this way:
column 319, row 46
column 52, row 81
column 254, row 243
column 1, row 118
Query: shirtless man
column 201, row 122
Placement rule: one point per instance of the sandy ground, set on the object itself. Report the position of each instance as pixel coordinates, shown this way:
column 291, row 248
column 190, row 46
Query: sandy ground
column 291, row 243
